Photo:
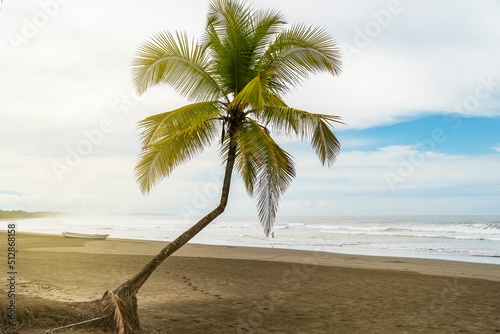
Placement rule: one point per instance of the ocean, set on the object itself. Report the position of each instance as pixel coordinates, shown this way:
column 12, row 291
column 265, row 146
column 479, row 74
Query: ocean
column 459, row 238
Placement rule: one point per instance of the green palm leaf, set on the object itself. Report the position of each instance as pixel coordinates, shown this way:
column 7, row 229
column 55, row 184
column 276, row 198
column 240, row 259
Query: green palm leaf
column 178, row 62
column 298, row 52
column 173, row 138
column 266, row 25
column 251, row 94
column 267, row 170
column 229, row 33
column 157, row 127
column 313, row 128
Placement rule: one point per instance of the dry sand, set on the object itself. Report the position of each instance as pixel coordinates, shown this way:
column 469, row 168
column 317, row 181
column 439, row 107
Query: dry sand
column 219, row 289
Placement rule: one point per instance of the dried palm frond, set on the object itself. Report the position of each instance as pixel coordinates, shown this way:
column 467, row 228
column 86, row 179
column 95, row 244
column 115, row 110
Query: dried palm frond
column 122, row 312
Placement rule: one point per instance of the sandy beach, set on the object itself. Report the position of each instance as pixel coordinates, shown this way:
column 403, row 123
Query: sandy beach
column 221, row 289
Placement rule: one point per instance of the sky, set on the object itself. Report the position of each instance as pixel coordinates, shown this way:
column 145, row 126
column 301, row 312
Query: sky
column 419, row 95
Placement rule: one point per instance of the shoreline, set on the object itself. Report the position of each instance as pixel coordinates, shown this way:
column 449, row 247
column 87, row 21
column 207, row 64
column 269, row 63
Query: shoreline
column 371, row 245
column 119, row 246
column 226, row 289
column 446, row 267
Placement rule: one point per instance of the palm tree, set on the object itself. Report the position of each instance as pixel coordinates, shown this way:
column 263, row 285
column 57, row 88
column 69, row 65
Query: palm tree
column 235, row 77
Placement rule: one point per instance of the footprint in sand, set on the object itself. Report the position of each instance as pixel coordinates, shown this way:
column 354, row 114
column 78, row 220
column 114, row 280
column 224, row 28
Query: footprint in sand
column 186, row 280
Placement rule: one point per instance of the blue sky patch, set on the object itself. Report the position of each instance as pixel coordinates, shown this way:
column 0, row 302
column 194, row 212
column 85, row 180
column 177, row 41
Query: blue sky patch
column 446, row 134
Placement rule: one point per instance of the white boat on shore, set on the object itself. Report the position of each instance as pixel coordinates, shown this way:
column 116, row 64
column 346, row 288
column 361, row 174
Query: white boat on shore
column 85, row 235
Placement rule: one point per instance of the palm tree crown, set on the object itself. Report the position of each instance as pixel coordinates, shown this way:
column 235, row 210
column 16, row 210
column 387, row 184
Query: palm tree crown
column 235, row 77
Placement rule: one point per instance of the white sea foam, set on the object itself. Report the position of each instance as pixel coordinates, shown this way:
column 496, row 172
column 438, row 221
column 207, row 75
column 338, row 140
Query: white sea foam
column 463, row 238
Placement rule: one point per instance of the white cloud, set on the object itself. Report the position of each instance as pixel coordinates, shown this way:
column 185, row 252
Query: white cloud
column 416, row 169
column 384, row 180
column 408, row 68
column 422, row 62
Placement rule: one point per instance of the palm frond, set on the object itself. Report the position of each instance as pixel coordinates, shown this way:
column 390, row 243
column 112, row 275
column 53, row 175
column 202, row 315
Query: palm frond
column 116, row 308
column 157, row 127
column 258, row 96
column 266, row 169
column 313, row 128
column 122, row 326
column 272, row 99
column 325, row 144
column 178, row 62
column 298, row 52
column 266, row 25
column 246, row 162
column 167, row 144
column 229, row 34
column 251, row 94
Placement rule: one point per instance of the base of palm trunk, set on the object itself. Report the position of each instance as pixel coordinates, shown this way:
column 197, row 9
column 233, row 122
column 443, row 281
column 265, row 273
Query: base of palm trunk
column 119, row 309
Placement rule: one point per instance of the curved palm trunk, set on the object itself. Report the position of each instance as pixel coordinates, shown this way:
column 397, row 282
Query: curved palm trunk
column 124, row 297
